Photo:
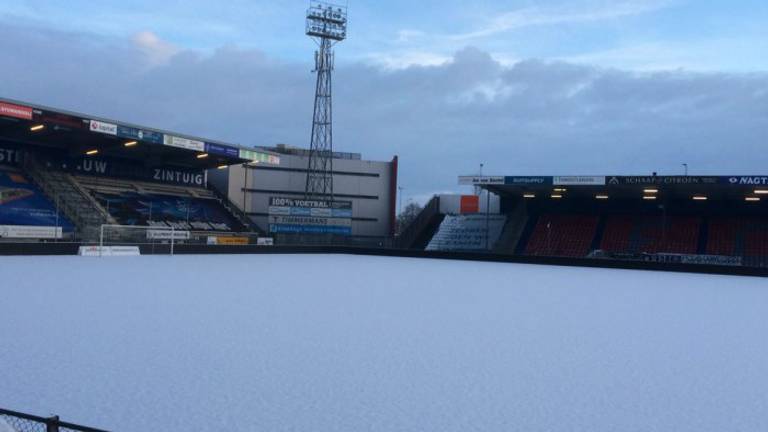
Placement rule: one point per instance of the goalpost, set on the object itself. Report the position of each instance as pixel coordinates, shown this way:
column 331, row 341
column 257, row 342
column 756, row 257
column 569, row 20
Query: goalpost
column 132, row 235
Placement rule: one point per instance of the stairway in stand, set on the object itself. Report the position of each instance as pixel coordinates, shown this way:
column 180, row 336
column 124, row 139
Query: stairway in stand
column 75, row 202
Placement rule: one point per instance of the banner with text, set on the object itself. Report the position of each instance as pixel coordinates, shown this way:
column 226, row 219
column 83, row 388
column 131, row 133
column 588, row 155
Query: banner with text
column 300, row 216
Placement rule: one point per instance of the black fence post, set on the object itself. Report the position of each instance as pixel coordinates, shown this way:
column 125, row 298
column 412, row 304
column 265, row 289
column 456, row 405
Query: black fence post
column 52, row 424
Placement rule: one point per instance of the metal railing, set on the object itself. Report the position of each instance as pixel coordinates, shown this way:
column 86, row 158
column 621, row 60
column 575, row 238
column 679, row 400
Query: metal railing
column 21, row 422
column 239, row 214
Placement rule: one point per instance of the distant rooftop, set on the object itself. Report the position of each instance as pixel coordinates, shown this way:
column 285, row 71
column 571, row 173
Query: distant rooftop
column 296, row 151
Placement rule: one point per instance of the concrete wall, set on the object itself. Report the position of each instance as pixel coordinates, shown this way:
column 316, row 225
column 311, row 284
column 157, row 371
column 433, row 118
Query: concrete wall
column 368, row 184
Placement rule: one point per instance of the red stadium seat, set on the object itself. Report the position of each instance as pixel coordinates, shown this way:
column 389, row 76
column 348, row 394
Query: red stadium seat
column 562, row 235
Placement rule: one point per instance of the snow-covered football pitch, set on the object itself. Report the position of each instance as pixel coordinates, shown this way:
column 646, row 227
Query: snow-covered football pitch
column 351, row 343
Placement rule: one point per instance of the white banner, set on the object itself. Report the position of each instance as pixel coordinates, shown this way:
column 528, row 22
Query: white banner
column 30, row 232
column 579, row 180
column 265, row 241
column 103, row 127
column 184, row 143
column 156, row 234
column 108, row 251
column 480, row 180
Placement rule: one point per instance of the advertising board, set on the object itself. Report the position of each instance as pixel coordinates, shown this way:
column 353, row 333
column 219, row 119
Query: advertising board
column 301, row 216
column 30, row 232
column 103, row 127
column 578, row 181
column 184, row 143
column 15, row 111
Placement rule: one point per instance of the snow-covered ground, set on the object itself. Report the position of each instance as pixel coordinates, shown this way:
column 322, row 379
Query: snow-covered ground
column 347, row 343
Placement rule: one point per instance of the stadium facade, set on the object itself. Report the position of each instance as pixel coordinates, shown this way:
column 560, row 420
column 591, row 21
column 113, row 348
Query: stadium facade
column 369, row 187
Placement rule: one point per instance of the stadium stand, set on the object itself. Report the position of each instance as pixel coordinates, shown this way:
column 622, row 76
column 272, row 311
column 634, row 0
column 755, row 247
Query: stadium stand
column 467, row 233
column 93, row 172
column 562, row 235
column 74, row 202
column 717, row 220
column 739, row 236
column 651, row 234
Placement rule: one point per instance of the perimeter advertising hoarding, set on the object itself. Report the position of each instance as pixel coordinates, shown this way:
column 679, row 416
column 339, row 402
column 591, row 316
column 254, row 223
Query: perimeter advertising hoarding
column 300, row 216
column 28, row 232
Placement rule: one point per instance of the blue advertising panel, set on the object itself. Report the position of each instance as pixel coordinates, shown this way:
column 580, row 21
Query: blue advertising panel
column 309, row 229
column 527, row 180
column 745, row 180
column 139, row 134
column 23, row 204
column 221, row 149
column 300, row 216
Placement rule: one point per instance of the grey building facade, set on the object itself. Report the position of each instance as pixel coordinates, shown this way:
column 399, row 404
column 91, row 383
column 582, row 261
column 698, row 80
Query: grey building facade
column 371, row 186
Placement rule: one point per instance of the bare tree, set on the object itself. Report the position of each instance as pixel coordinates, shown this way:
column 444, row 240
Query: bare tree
column 409, row 213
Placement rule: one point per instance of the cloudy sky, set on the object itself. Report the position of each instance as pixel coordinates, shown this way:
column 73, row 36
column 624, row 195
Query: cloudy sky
column 523, row 86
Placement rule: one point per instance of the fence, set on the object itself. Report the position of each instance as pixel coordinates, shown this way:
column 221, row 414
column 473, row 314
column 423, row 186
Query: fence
column 20, row 422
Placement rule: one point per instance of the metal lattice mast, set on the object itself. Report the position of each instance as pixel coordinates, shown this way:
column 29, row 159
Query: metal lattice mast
column 327, row 25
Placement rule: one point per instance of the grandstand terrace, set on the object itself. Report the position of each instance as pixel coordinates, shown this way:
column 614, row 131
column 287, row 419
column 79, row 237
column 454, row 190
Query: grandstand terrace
column 708, row 219
column 64, row 174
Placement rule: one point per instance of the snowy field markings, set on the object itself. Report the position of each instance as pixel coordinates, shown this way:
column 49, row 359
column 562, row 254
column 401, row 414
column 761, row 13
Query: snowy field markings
column 264, row 342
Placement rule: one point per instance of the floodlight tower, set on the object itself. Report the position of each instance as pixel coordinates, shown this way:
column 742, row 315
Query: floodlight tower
column 326, row 25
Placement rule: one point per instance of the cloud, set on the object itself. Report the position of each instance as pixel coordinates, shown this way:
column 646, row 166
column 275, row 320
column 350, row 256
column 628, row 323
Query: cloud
column 155, row 50
column 443, row 120
column 412, row 47
column 704, row 54
column 574, row 13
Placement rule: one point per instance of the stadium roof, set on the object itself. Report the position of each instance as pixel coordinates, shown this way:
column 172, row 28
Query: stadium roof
column 751, row 188
column 40, row 126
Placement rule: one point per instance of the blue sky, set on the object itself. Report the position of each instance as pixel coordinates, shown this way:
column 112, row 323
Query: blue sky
column 630, row 34
column 549, row 87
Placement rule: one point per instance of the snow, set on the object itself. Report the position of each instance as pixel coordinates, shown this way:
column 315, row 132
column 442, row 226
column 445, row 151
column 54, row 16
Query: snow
column 349, row 343
column 5, row 427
